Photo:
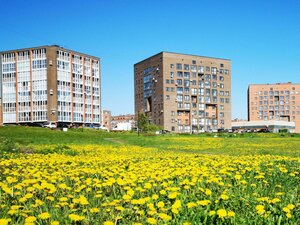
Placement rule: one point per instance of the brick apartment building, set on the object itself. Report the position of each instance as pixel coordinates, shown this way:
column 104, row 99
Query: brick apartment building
column 280, row 101
column 184, row 93
column 49, row 83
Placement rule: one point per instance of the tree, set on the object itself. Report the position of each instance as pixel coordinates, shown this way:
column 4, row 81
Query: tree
column 144, row 125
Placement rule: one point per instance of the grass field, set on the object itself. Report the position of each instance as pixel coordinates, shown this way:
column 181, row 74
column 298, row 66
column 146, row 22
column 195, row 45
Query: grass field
column 91, row 177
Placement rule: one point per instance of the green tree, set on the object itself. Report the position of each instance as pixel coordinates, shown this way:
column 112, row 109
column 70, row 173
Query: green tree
column 144, row 125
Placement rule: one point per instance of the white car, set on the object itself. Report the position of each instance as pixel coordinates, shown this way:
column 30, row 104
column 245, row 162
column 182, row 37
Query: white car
column 50, row 125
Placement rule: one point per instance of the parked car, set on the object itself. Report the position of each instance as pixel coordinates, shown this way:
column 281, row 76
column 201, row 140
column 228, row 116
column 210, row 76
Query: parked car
column 49, row 125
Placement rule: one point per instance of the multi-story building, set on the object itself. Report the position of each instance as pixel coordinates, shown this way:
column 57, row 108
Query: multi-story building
column 280, row 101
column 106, row 121
column 123, row 121
column 184, row 93
column 50, row 83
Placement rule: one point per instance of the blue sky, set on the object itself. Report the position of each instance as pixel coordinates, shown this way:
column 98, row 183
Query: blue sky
column 260, row 37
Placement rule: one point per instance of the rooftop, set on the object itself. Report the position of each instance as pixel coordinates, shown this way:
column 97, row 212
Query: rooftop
column 286, row 83
column 180, row 54
column 48, row 46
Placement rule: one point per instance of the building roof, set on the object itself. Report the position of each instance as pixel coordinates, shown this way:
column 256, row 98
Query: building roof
column 49, row 46
column 274, row 84
column 180, row 54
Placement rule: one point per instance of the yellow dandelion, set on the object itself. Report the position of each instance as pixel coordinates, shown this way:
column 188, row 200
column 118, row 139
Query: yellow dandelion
column 44, row 216
column 222, row 213
column 151, row 220
column 4, row 221
column 231, row 214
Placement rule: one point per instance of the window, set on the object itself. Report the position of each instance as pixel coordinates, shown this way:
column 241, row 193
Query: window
column 227, row 100
column 207, row 69
column 221, row 65
column 172, row 74
column 168, row 97
column 171, row 66
column 186, row 83
column 221, row 78
column 187, row 75
column 179, row 81
column 179, row 74
column 187, row 98
column 214, row 92
column 214, row 77
column 167, row 81
column 186, row 67
column 221, row 107
column 207, row 92
column 179, row 90
column 193, row 61
column 193, row 68
column 179, row 98
column 214, row 70
column 201, row 91
column 187, row 106
column 172, row 113
column 201, row 69
column 226, row 72
column 207, row 77
column 179, row 66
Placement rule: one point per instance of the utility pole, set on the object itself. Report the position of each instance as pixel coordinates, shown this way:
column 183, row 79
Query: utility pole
column 138, row 123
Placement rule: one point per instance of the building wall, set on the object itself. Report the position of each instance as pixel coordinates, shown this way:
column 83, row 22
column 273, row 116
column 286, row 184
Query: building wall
column 128, row 118
column 107, row 119
column 279, row 101
column 149, row 89
column 50, row 83
column 177, row 102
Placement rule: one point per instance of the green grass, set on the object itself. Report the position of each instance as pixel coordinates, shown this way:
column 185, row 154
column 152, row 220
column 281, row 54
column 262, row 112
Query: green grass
column 230, row 144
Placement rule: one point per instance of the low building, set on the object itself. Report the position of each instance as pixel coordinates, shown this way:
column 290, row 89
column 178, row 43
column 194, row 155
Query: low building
column 106, row 119
column 123, row 122
column 271, row 125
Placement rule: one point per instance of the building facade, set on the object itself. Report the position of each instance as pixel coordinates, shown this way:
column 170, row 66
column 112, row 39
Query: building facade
column 184, row 93
column 50, row 83
column 280, row 101
column 273, row 126
column 106, row 121
column 125, row 122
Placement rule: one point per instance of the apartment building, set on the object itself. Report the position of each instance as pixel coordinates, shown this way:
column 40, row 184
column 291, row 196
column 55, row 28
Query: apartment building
column 50, row 83
column 280, row 101
column 184, row 93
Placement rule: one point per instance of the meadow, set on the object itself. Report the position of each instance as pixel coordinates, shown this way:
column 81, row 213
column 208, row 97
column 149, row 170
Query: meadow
column 90, row 177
